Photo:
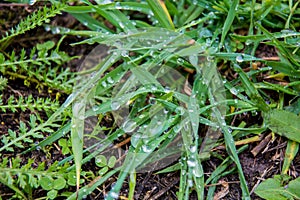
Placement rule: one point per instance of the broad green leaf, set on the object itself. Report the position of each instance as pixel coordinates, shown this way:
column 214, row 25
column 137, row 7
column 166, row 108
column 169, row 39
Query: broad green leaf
column 59, row 183
column 111, row 162
column 275, row 189
column 284, row 123
column 101, row 161
column 52, row 194
column 46, row 183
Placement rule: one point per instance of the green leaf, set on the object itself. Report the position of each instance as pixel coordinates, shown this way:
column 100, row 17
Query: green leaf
column 45, row 46
column 294, row 186
column 52, row 194
column 111, row 162
column 46, row 183
column 284, row 123
column 72, row 178
column 290, row 153
column 103, row 171
column 273, row 189
column 59, row 183
column 101, row 161
column 64, row 144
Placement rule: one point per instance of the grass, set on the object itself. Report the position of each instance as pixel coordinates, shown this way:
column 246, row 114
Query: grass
column 171, row 69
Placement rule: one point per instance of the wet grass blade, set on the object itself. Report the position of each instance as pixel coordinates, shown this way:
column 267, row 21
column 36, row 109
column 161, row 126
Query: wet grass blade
column 229, row 19
column 77, row 130
column 161, row 13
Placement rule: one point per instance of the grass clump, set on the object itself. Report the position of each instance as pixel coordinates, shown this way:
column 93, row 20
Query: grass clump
column 167, row 84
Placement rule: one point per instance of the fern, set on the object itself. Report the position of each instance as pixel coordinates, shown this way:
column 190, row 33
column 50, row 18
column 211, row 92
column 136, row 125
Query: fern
column 18, row 139
column 32, row 21
column 39, row 104
column 37, row 68
column 26, row 135
column 3, row 83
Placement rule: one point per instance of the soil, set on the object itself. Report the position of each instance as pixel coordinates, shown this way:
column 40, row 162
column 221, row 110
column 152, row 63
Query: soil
column 265, row 164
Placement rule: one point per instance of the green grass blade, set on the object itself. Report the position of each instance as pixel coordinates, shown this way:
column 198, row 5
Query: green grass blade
column 77, row 130
column 161, row 13
column 229, row 19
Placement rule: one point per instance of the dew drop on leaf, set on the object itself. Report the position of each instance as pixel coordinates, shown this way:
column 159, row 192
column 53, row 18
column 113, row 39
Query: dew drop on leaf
column 239, row 58
column 115, row 105
column 129, row 126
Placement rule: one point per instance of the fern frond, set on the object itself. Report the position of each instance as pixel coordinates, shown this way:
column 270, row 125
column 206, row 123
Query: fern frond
column 25, row 135
column 40, row 104
column 32, row 21
column 42, row 67
column 3, row 83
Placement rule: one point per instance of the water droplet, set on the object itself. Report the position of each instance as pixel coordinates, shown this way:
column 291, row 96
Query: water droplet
column 212, row 14
column 239, row 58
column 191, row 163
column 115, row 105
column 180, row 61
column 113, row 194
column 55, row 30
column 124, row 53
column 81, row 117
column 248, row 42
column 179, row 110
column 110, row 80
column 167, row 89
column 177, row 128
column 104, row 84
column 31, row 2
column 205, row 33
column 73, row 126
column 135, row 138
column 197, row 171
column 193, row 149
column 47, row 28
column 95, row 108
column 234, row 91
column 118, row 5
column 38, row 148
column 129, row 126
column 191, row 110
column 121, row 25
column 190, row 182
column 152, row 101
column 146, row 148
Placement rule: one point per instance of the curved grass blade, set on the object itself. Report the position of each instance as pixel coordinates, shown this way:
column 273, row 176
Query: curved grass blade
column 161, row 13
column 229, row 20
column 77, row 130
